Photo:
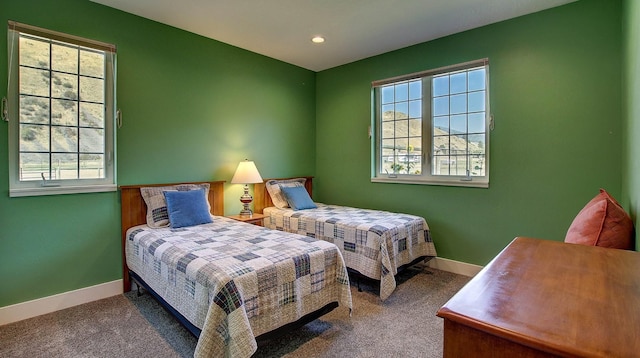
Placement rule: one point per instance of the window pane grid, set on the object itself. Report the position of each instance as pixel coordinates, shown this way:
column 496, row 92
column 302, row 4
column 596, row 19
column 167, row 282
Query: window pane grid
column 458, row 96
column 55, row 144
column 400, row 149
column 454, row 100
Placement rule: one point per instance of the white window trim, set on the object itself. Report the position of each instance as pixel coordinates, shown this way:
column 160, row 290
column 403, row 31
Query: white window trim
column 400, row 179
column 62, row 190
column 19, row 188
column 428, row 179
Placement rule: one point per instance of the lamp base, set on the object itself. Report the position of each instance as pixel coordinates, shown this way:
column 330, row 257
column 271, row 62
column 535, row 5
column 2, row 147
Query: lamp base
column 246, row 199
column 246, row 212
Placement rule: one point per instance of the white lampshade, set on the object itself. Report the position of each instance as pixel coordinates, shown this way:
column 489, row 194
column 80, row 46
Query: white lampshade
column 246, row 173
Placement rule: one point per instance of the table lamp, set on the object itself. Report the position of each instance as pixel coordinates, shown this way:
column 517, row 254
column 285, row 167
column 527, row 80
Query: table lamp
column 246, row 174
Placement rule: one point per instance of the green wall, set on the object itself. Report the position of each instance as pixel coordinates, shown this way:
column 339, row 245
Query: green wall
column 556, row 87
column 631, row 172
column 192, row 109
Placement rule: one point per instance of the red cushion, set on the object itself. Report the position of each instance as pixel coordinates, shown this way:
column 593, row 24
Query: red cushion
column 602, row 222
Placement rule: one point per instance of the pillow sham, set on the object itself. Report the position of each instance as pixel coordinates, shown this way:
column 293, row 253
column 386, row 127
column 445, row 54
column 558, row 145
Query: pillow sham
column 602, row 222
column 298, row 198
column 187, row 208
column 274, row 188
column 157, row 215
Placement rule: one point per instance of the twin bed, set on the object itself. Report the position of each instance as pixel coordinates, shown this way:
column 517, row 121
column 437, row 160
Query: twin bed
column 232, row 283
column 375, row 244
column 229, row 282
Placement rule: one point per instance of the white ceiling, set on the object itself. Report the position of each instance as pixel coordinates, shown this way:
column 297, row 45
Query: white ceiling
column 354, row 29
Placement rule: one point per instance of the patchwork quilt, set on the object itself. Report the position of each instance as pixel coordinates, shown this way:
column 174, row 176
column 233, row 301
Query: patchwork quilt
column 373, row 242
column 236, row 281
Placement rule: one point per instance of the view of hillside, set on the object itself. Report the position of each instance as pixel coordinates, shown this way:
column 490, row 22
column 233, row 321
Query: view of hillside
column 402, row 148
column 61, row 110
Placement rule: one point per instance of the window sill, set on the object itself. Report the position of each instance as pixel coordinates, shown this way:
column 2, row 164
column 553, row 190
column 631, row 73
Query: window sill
column 448, row 182
column 58, row 190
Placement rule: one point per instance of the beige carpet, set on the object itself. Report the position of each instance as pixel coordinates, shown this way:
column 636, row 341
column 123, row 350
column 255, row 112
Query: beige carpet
column 129, row 326
column 112, row 327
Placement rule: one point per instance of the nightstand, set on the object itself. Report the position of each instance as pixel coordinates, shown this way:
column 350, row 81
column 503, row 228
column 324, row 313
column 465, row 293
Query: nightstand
column 255, row 219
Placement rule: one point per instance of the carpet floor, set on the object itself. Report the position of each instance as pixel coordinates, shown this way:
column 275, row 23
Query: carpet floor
column 405, row 325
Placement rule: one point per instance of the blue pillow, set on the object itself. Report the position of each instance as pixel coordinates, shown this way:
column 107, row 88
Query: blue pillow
column 187, row 208
column 297, row 197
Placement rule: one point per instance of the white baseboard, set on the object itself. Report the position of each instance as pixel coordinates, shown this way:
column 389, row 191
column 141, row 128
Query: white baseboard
column 40, row 306
column 459, row 267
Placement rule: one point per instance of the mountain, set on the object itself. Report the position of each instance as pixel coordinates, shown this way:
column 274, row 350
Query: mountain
column 448, row 142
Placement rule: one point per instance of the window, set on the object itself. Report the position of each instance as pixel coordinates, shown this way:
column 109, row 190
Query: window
column 432, row 127
column 61, row 113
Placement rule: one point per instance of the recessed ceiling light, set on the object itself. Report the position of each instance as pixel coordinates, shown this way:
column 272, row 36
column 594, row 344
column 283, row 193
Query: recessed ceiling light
column 318, row 39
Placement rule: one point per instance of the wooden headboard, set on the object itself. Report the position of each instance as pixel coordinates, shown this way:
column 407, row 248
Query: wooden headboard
column 262, row 199
column 133, row 211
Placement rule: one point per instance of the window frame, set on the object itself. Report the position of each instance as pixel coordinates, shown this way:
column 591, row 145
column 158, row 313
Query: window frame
column 426, row 177
column 17, row 187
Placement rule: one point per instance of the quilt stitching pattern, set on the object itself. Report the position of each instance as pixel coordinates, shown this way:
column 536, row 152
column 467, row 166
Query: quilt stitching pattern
column 373, row 242
column 237, row 280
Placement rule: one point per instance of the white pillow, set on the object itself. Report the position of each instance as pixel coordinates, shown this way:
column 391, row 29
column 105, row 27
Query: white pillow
column 273, row 187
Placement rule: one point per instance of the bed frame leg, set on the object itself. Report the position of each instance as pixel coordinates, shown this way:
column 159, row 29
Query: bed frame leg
column 355, row 277
column 138, row 286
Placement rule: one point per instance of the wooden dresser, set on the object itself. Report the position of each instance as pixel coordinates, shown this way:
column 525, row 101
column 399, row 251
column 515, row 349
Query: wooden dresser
column 541, row 298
